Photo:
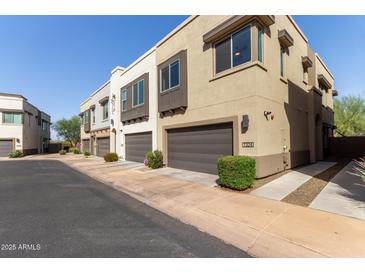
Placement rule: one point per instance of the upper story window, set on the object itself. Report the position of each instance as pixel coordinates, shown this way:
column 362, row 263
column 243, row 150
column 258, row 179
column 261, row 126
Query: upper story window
column 234, row 50
column 170, row 76
column 324, row 95
column 138, row 93
column 93, row 115
column 85, row 118
column 44, row 125
column 106, row 111
column 281, row 61
column 12, row 118
column 260, row 50
column 124, row 100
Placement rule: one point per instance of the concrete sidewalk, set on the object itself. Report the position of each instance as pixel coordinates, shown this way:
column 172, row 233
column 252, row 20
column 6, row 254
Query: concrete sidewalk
column 281, row 187
column 261, row 227
column 344, row 194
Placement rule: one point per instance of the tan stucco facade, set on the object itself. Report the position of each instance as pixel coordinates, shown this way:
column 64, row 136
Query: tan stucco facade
column 98, row 128
column 283, row 121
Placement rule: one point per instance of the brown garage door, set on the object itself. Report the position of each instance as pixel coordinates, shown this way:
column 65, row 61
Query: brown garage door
column 103, row 146
column 6, row 146
column 86, row 145
column 136, row 146
column 198, row 148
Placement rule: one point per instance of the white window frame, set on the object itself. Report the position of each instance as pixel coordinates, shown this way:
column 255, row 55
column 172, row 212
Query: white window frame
column 169, row 66
column 121, row 99
column 138, row 105
column 93, row 118
column 12, row 123
column 105, row 118
column 230, row 38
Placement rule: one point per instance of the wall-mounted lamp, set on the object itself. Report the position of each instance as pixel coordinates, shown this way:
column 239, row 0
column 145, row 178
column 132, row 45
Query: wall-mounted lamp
column 244, row 123
column 267, row 114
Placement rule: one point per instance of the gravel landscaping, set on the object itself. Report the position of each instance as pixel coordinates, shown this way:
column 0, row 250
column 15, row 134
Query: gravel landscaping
column 307, row 192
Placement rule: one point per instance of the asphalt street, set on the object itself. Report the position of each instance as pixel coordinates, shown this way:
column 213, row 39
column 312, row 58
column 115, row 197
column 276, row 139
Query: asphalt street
column 48, row 209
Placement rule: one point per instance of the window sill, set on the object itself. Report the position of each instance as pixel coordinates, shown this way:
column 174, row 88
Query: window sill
column 137, row 106
column 284, row 80
column 105, row 120
column 167, row 91
column 9, row 124
column 237, row 69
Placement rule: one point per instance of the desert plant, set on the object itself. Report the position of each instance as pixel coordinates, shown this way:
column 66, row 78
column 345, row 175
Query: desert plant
column 86, row 154
column 154, row 159
column 111, row 157
column 236, row 172
column 76, row 151
column 62, row 152
column 16, row 154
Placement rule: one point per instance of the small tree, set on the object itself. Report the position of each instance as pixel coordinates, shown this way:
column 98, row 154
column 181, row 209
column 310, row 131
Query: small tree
column 350, row 116
column 68, row 129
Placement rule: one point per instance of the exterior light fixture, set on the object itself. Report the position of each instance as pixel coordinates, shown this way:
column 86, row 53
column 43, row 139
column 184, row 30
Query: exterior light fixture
column 244, row 123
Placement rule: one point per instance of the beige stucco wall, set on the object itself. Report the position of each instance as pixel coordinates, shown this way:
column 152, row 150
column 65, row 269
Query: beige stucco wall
column 83, row 107
column 248, row 89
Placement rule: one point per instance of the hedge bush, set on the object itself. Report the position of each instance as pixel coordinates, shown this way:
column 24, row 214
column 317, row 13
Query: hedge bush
column 236, row 172
column 76, row 151
column 154, row 159
column 62, row 152
column 87, row 154
column 111, row 157
column 16, row 154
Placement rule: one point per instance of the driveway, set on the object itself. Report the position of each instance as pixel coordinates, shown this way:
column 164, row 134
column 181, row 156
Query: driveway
column 51, row 210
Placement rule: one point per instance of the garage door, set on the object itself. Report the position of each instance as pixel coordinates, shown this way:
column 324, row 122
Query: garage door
column 198, row 148
column 86, row 145
column 103, row 146
column 6, row 146
column 136, row 146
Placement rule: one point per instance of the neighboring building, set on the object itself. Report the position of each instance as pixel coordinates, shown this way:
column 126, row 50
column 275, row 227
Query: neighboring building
column 95, row 125
column 135, row 115
column 223, row 85
column 23, row 127
column 242, row 85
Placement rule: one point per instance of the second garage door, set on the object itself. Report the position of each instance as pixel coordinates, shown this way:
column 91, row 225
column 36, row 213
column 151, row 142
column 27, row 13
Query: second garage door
column 136, row 146
column 103, row 146
column 6, row 146
column 198, row 148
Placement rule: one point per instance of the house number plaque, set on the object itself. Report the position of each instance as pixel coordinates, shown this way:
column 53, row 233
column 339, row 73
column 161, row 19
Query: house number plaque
column 248, row 144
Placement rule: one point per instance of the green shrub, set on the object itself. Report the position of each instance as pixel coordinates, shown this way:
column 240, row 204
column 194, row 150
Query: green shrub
column 62, row 152
column 154, row 159
column 236, row 172
column 16, row 154
column 111, row 157
column 76, row 151
column 87, row 154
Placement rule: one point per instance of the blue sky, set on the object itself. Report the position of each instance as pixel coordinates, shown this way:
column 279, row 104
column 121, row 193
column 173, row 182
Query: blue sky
column 57, row 61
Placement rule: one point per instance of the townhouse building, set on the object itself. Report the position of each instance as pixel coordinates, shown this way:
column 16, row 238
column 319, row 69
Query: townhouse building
column 224, row 85
column 95, row 122
column 23, row 126
column 242, row 85
column 135, row 117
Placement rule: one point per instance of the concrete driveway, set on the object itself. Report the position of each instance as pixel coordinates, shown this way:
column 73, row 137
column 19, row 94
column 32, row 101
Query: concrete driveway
column 51, row 210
